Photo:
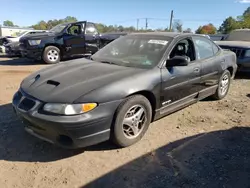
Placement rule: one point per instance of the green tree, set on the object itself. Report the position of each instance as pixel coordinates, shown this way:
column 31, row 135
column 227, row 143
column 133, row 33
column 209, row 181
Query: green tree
column 69, row 19
column 43, row 25
column 8, row 23
column 246, row 12
column 229, row 24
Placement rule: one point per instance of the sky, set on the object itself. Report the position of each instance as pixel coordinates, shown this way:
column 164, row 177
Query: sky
column 192, row 13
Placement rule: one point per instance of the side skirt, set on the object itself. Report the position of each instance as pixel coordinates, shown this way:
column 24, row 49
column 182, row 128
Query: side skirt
column 184, row 102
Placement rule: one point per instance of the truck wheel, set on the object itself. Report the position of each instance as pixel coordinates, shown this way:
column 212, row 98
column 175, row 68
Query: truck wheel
column 132, row 120
column 51, row 55
column 224, row 84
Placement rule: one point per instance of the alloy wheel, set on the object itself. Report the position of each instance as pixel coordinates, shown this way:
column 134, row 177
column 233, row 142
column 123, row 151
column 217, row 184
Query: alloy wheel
column 224, row 85
column 53, row 55
column 134, row 121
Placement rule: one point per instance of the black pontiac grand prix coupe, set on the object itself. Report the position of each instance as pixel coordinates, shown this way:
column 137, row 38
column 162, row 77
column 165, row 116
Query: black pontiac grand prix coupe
column 122, row 88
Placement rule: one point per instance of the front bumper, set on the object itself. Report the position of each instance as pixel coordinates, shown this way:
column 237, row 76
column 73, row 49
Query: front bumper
column 34, row 52
column 65, row 131
column 12, row 51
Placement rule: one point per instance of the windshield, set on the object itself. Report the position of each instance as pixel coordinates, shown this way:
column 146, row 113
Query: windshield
column 142, row 51
column 21, row 33
column 238, row 35
column 58, row 28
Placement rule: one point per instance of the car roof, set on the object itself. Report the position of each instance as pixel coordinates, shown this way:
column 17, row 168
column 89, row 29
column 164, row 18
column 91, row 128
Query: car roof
column 166, row 34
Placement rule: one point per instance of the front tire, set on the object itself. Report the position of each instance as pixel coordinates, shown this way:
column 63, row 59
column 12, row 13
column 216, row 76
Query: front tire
column 132, row 120
column 51, row 55
column 223, row 87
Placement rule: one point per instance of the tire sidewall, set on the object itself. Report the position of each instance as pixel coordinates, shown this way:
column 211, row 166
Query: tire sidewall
column 118, row 135
column 45, row 57
column 220, row 96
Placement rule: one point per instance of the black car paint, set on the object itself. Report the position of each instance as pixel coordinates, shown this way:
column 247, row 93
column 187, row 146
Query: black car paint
column 69, row 45
column 82, row 80
column 243, row 61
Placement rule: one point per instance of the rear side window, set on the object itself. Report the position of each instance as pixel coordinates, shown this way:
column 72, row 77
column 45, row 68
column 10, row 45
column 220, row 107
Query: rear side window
column 90, row 29
column 204, row 47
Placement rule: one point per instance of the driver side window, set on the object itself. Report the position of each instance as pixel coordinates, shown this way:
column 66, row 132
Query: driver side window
column 184, row 48
column 74, row 30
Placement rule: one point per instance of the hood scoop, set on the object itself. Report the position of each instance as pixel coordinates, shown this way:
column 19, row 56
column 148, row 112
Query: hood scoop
column 52, row 82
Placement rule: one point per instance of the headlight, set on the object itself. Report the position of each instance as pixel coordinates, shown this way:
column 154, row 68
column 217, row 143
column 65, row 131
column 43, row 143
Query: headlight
column 247, row 53
column 69, row 109
column 34, row 42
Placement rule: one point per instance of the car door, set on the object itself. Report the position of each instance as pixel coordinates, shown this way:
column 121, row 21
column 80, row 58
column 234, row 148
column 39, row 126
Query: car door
column 180, row 84
column 208, row 54
column 92, row 38
column 74, row 39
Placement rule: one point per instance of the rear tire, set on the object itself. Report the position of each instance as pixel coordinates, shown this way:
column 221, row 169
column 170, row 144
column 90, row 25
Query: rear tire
column 223, row 87
column 51, row 55
column 132, row 120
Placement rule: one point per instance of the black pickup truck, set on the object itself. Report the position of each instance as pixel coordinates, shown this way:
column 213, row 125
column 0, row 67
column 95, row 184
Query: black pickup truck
column 65, row 40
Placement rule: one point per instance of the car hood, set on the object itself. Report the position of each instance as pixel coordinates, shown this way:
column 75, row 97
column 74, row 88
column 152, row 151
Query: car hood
column 238, row 44
column 14, row 39
column 38, row 36
column 66, row 82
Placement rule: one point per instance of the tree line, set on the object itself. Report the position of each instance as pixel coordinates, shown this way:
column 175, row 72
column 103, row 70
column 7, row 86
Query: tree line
column 229, row 24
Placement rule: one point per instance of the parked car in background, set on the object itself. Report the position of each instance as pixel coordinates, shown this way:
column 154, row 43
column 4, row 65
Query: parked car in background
column 122, row 88
column 217, row 37
column 238, row 41
column 22, row 34
column 3, row 42
column 66, row 40
column 12, row 43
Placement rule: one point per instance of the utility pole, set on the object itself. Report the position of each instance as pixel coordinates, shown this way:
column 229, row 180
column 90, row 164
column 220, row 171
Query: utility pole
column 171, row 20
column 137, row 24
column 146, row 24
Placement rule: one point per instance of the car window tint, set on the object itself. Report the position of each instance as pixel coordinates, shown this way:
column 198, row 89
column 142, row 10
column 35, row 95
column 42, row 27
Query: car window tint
column 184, row 48
column 74, row 30
column 204, row 48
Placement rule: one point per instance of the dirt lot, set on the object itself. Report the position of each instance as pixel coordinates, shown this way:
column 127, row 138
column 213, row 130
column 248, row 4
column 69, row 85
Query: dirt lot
column 204, row 145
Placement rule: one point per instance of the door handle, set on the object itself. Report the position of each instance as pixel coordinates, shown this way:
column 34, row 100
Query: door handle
column 196, row 69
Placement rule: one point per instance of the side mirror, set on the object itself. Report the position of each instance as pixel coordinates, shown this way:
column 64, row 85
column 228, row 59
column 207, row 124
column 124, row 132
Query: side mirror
column 177, row 61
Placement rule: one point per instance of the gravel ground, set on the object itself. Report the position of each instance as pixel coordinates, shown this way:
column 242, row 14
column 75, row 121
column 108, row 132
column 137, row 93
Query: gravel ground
column 204, row 145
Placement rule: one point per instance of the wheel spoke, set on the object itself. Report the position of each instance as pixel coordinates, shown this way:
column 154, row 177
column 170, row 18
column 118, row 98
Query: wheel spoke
column 139, row 113
column 128, row 121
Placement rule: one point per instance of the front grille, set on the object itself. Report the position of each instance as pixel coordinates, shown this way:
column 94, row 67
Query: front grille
column 237, row 51
column 17, row 97
column 26, row 104
column 23, row 102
